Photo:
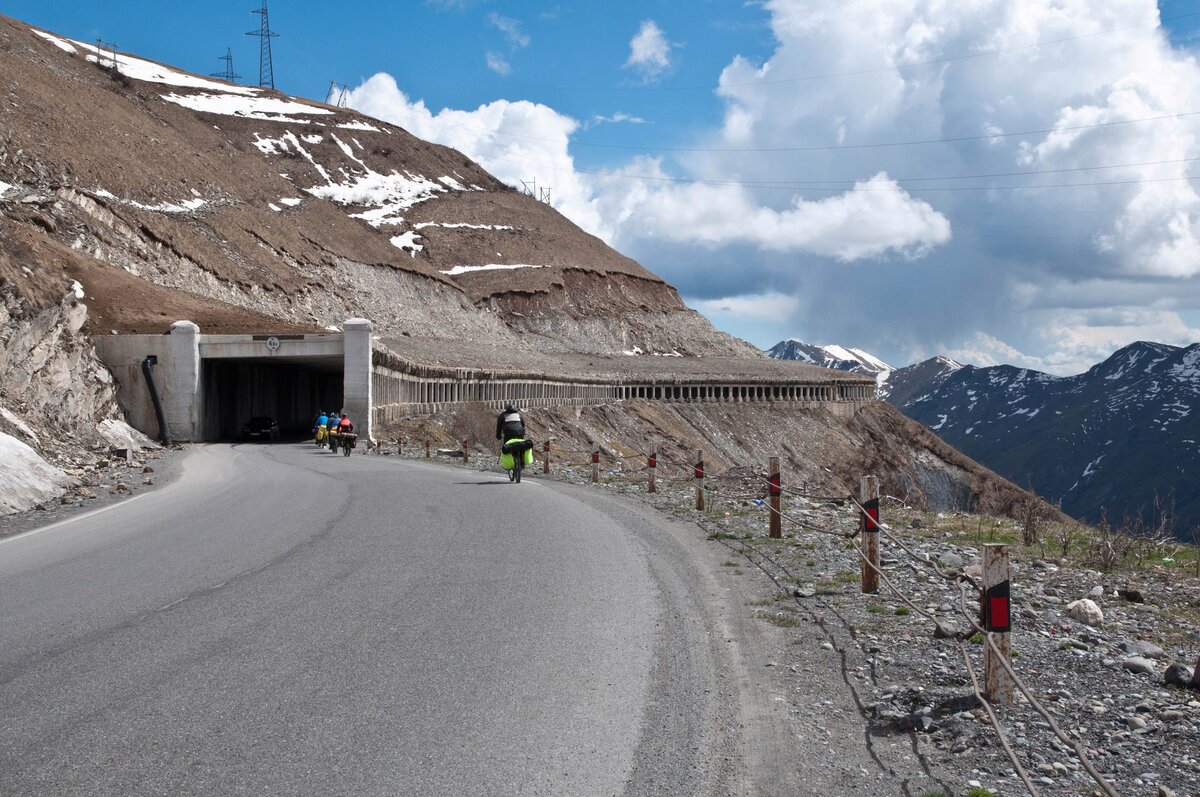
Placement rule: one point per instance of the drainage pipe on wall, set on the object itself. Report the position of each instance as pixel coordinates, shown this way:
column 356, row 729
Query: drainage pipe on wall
column 148, row 369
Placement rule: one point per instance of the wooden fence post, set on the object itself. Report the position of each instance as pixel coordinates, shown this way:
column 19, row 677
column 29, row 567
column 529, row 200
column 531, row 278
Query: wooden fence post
column 399, row 446
column 466, row 452
column 776, row 489
column 426, row 449
column 997, row 623
column 595, row 462
column 651, row 467
column 546, row 457
column 700, row 480
column 869, row 498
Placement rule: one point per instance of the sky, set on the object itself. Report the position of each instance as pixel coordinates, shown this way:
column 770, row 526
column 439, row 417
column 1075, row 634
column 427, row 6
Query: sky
column 998, row 181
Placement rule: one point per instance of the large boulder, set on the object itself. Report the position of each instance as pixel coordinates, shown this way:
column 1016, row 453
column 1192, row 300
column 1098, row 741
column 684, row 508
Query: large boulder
column 1085, row 611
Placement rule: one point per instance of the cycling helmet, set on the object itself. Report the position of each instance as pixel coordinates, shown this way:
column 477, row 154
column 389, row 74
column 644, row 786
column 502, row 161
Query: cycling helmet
column 510, row 407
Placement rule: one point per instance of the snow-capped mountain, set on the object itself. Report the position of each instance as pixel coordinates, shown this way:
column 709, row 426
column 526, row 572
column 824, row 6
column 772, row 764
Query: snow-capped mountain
column 836, row 357
column 1113, row 440
column 896, row 385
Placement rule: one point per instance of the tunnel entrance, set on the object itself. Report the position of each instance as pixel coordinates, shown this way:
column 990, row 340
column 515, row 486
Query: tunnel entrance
column 290, row 392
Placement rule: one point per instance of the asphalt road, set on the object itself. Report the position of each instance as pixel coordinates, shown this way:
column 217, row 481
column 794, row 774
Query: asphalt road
column 281, row 620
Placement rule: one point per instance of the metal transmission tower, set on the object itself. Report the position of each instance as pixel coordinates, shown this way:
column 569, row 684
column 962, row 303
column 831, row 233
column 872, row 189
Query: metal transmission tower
column 266, row 72
column 110, row 56
column 338, row 94
column 227, row 73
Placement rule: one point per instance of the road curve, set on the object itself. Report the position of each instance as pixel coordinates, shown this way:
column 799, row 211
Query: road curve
column 281, row 620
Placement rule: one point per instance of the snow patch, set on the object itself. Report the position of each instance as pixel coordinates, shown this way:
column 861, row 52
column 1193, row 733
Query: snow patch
column 77, row 289
column 291, row 202
column 186, row 206
column 26, row 479
column 269, row 109
column 358, row 126
column 386, row 194
column 408, row 242
column 454, row 272
column 459, row 225
column 61, row 44
column 4, row 188
column 274, row 207
column 312, row 139
column 635, row 351
column 148, row 71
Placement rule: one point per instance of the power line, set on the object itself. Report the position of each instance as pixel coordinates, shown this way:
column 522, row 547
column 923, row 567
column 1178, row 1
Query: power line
column 805, row 78
column 880, row 145
column 835, row 186
column 833, row 147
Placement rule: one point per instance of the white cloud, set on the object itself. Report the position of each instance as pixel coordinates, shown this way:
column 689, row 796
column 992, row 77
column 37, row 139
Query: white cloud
column 498, row 64
column 649, row 51
column 617, row 118
column 1045, row 275
column 511, row 29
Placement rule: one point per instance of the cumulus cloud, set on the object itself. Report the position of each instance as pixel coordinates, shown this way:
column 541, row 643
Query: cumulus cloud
column 1095, row 245
column 649, row 51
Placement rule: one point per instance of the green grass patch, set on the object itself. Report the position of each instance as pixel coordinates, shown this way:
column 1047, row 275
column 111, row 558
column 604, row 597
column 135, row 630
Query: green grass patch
column 782, row 620
column 729, row 563
column 976, row 638
column 903, row 611
column 981, row 793
column 876, row 608
column 762, row 602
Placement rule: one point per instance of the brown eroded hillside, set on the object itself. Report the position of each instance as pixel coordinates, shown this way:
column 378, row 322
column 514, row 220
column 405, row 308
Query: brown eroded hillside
column 264, row 201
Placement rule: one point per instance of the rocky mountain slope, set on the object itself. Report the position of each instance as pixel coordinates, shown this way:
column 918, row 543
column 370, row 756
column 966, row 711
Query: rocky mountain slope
column 1120, row 438
column 905, row 384
column 133, row 194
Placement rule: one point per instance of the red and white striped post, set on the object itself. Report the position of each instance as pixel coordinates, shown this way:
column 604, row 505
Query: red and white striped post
column 595, row 462
column 546, row 457
column 869, row 498
column 699, row 472
column 651, row 468
column 997, row 623
column 775, row 488
column 466, row 452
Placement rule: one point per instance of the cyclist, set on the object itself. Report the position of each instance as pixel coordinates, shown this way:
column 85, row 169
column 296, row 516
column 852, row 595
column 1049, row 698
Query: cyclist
column 509, row 423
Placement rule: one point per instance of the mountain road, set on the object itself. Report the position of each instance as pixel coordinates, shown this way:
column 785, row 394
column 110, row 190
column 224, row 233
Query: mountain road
column 280, row 620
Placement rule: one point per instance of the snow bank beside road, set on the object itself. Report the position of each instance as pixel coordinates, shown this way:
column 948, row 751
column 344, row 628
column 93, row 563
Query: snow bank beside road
column 26, row 479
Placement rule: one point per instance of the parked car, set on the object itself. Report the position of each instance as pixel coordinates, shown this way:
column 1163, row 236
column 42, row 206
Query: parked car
column 260, row 428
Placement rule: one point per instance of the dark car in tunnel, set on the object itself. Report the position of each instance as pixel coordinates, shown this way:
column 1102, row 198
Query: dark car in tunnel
column 260, row 427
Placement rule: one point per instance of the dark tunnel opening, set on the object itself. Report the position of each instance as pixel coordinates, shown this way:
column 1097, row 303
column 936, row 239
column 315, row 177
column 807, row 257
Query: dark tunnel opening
column 291, row 393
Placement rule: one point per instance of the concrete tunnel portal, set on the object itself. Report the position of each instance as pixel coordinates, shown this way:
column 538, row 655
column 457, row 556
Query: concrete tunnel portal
column 211, row 385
